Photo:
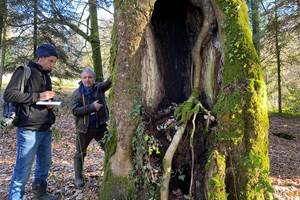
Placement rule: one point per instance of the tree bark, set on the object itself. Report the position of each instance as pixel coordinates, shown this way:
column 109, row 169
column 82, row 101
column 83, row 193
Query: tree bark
column 129, row 25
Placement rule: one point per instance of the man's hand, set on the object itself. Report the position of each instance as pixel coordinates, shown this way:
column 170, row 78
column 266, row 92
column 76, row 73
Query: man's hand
column 97, row 105
column 46, row 95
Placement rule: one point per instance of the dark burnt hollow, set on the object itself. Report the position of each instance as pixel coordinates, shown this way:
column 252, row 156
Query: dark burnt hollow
column 175, row 25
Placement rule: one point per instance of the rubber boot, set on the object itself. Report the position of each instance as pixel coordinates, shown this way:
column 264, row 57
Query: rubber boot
column 40, row 193
column 78, row 166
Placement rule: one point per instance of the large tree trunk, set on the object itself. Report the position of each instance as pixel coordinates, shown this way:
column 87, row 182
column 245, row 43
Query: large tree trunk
column 198, row 54
column 130, row 21
column 239, row 164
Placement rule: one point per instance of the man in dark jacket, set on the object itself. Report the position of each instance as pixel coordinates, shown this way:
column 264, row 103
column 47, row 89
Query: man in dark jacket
column 33, row 124
column 91, row 114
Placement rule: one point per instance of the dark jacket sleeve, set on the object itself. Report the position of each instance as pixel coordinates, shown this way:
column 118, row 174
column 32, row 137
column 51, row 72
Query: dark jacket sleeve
column 77, row 105
column 13, row 92
column 105, row 85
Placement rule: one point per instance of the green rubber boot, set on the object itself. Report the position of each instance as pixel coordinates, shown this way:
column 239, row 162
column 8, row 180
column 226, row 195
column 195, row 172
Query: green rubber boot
column 78, row 167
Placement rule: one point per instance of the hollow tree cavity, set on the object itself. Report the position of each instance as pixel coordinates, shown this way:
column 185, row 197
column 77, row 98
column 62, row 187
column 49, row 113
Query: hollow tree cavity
column 195, row 57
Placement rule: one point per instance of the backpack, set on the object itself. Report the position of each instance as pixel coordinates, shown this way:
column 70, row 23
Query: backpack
column 9, row 108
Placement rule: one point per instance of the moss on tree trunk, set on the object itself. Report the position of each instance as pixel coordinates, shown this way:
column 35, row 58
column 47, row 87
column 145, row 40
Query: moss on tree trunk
column 242, row 132
column 237, row 166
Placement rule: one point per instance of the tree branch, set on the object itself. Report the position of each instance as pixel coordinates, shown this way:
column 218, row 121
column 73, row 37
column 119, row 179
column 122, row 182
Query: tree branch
column 63, row 21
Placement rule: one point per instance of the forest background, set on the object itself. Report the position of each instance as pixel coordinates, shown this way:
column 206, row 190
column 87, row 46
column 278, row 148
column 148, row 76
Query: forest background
column 81, row 30
column 68, row 25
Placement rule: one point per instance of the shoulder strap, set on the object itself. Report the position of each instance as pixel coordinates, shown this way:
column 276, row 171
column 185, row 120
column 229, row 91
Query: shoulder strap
column 25, row 77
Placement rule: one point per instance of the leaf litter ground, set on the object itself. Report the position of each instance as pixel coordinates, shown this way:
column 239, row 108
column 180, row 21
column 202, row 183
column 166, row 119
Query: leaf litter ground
column 284, row 161
column 61, row 176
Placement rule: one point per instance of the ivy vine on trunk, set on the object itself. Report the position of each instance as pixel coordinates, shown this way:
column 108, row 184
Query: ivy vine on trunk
column 188, row 103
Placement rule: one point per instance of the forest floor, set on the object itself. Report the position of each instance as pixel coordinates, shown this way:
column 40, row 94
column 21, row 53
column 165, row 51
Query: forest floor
column 284, row 160
column 285, row 157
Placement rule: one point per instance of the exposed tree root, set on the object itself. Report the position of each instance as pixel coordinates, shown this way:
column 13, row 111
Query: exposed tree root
column 167, row 162
column 191, row 107
column 193, row 154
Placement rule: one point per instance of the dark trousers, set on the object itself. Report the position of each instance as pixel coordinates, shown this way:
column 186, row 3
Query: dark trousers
column 83, row 140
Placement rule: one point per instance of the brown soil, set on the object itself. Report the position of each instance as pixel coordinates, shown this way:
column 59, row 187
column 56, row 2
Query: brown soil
column 284, row 160
column 284, row 157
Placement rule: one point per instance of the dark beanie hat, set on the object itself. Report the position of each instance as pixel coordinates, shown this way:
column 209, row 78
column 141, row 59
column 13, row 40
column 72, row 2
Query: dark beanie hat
column 46, row 50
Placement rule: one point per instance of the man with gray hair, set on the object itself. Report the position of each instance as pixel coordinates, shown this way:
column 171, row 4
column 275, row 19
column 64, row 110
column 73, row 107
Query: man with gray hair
column 91, row 114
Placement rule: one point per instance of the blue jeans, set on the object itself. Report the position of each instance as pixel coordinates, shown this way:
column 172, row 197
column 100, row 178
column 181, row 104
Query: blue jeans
column 30, row 144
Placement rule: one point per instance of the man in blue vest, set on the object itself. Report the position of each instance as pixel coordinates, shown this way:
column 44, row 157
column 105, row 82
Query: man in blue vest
column 91, row 114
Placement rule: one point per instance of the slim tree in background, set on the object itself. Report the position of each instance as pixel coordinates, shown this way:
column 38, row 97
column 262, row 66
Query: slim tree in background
column 3, row 16
column 278, row 60
column 280, row 53
column 35, row 26
column 95, row 40
column 255, row 16
column 91, row 35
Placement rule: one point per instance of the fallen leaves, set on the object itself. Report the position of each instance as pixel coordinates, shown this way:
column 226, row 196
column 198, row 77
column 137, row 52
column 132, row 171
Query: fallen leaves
column 61, row 176
column 284, row 160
